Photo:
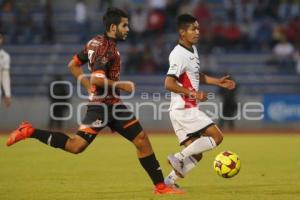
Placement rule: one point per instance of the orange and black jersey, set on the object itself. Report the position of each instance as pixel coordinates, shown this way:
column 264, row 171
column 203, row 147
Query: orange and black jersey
column 104, row 60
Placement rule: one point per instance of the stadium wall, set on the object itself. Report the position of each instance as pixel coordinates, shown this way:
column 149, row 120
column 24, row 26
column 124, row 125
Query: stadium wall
column 36, row 111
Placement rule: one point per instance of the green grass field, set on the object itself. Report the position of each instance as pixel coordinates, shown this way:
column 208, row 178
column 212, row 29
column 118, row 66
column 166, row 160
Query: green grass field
column 109, row 169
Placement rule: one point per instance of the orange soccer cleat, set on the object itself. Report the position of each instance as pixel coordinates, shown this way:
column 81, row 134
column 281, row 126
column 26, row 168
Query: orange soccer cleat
column 24, row 131
column 162, row 188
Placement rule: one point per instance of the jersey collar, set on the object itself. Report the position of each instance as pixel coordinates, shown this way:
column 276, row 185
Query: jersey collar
column 190, row 50
column 109, row 38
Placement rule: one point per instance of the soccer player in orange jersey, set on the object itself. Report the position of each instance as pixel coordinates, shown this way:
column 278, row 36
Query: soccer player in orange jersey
column 105, row 108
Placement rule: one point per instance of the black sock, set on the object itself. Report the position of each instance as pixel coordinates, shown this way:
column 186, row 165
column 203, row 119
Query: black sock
column 151, row 165
column 54, row 139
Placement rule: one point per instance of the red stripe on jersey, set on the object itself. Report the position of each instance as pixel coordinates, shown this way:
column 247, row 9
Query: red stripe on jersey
column 186, row 83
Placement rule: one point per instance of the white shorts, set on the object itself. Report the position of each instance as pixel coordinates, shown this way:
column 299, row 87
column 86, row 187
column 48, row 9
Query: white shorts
column 188, row 121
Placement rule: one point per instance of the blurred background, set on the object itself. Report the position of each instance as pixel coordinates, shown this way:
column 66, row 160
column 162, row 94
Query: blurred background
column 257, row 42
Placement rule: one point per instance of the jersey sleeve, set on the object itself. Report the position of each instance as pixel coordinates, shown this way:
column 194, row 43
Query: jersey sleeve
column 176, row 66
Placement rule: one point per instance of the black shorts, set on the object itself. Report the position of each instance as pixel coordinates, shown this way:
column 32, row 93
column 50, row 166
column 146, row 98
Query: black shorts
column 115, row 116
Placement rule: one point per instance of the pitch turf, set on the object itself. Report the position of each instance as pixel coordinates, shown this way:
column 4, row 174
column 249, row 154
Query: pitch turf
column 108, row 169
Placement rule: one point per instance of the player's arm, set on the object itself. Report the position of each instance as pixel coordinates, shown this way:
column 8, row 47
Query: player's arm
column 172, row 85
column 6, row 83
column 177, row 67
column 99, row 79
column 76, row 70
column 224, row 81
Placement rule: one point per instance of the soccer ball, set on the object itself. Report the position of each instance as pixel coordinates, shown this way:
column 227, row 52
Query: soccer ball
column 227, row 164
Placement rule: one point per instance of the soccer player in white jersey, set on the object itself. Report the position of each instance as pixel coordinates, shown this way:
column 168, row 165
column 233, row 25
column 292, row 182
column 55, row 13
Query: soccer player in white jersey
column 194, row 129
column 4, row 74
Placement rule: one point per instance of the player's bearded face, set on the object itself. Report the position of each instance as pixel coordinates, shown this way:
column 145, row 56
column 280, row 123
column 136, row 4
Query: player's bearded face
column 122, row 29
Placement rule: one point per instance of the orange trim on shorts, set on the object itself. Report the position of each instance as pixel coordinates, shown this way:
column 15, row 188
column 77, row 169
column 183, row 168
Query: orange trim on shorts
column 130, row 123
column 86, row 129
column 76, row 59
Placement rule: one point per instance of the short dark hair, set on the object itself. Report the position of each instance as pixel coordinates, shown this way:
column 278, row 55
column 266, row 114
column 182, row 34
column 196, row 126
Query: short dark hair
column 113, row 16
column 184, row 20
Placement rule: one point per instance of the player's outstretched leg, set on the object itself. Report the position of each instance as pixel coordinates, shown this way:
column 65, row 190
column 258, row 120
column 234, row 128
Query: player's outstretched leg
column 151, row 165
column 211, row 137
column 188, row 164
column 54, row 139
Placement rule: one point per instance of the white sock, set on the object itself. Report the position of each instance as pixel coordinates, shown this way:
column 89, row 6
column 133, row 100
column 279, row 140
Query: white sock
column 171, row 178
column 189, row 164
column 198, row 146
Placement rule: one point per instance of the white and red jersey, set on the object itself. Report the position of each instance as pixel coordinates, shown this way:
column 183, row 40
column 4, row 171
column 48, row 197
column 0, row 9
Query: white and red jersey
column 185, row 67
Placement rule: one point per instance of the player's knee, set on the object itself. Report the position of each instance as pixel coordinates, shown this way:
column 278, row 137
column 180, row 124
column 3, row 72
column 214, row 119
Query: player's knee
column 77, row 149
column 75, row 146
column 218, row 139
column 141, row 140
column 216, row 134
